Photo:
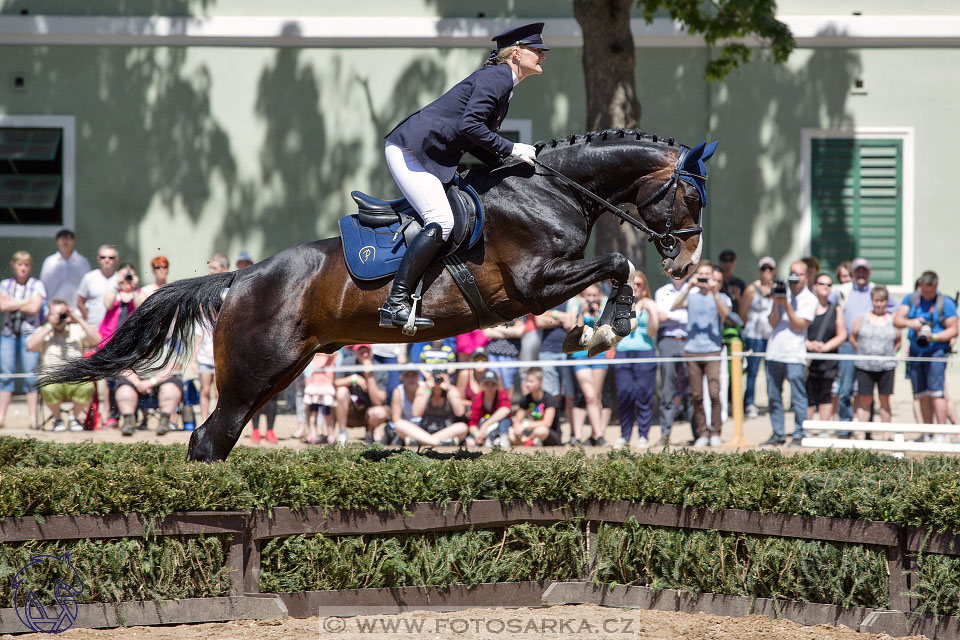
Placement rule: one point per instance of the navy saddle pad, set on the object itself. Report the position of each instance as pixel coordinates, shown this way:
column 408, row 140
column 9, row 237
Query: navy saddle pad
column 374, row 239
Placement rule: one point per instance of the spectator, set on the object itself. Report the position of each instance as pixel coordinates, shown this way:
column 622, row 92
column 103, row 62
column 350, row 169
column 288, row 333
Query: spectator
column 467, row 343
column 441, row 411
column 874, row 334
column 469, row 380
column 931, row 318
column 120, row 302
column 438, row 352
column 64, row 337
column 319, row 396
column 132, row 390
column 755, row 307
column 161, row 269
column 636, row 383
column 218, row 263
column 490, row 414
column 95, row 284
column 204, row 364
column 530, row 342
column 813, row 270
column 537, row 420
column 673, row 334
column 244, row 259
column 854, row 299
column 706, row 311
column 557, row 381
column 844, row 272
column 732, row 285
column 729, row 327
column 63, row 270
column 21, row 300
column 403, row 423
column 589, row 373
column 825, row 335
column 361, row 397
column 417, row 348
column 504, row 346
column 792, row 313
column 390, row 354
column 269, row 413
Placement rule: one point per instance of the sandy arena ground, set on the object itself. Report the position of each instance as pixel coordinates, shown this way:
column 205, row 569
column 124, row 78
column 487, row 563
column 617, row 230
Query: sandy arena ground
column 568, row 621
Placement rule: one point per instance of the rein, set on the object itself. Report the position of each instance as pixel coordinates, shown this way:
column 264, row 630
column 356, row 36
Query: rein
column 669, row 240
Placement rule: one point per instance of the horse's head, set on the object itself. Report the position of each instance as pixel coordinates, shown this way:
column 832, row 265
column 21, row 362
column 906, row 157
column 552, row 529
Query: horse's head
column 671, row 202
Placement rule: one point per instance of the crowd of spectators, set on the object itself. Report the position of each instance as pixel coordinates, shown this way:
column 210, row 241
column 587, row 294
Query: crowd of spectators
column 72, row 308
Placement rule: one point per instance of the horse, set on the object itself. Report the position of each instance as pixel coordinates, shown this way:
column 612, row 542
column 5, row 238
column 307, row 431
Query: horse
column 276, row 314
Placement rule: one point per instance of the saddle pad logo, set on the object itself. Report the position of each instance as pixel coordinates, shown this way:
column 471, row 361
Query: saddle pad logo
column 368, row 254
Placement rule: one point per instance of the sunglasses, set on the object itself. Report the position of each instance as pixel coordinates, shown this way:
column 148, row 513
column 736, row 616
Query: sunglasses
column 107, row 257
column 766, row 267
column 825, row 284
column 160, row 267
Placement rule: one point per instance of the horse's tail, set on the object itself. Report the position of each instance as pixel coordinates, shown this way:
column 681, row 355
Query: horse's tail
column 153, row 335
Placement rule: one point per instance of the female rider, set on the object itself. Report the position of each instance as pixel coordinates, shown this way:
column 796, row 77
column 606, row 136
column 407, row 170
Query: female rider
column 424, row 149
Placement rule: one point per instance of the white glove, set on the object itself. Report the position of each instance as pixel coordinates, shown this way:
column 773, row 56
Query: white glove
column 525, row 152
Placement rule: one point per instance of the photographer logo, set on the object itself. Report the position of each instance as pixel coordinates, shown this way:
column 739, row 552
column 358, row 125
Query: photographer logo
column 37, row 612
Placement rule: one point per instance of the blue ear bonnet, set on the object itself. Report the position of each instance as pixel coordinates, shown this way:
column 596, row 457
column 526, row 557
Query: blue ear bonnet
column 692, row 162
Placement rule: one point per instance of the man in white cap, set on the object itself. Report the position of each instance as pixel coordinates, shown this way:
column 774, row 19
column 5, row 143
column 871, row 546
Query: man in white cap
column 244, row 259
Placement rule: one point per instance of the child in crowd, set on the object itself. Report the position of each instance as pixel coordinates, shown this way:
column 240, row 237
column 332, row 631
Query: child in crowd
column 319, row 396
column 490, row 414
column 537, row 419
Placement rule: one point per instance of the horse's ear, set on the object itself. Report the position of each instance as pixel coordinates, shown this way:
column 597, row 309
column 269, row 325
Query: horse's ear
column 708, row 151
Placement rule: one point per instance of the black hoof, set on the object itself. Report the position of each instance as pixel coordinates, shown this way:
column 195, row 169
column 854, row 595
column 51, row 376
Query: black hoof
column 571, row 344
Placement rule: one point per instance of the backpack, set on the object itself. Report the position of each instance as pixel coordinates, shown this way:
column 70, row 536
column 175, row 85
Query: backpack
column 938, row 307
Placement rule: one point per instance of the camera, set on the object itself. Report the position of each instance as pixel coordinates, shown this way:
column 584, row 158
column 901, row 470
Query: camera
column 925, row 335
column 438, row 378
column 64, row 317
column 703, row 280
column 779, row 288
column 128, row 277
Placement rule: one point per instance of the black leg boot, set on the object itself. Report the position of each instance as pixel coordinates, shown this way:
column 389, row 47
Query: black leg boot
column 421, row 252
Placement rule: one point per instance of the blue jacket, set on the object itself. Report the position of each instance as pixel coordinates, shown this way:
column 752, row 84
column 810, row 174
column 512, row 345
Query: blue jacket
column 463, row 119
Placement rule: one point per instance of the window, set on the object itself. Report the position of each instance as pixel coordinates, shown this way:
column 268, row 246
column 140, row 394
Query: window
column 857, row 202
column 36, row 175
column 513, row 129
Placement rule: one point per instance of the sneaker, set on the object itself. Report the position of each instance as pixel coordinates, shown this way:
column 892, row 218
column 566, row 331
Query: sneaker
column 128, row 426
column 599, row 442
column 642, row 441
column 342, row 437
column 271, row 437
column 574, row 442
column 702, row 441
column 664, row 441
column 162, row 427
column 58, row 426
column 620, row 443
column 715, row 441
column 773, row 441
column 500, row 442
column 255, row 436
column 795, row 442
column 75, row 424
column 110, row 423
column 752, row 411
column 449, row 442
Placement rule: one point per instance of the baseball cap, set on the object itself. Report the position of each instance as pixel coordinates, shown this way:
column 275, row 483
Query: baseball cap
column 355, row 347
column 728, row 253
column 480, row 354
column 861, row 262
column 244, row 255
column 766, row 261
column 490, row 376
column 65, row 233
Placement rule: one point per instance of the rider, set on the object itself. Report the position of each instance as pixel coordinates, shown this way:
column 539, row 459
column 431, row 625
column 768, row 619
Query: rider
column 424, row 149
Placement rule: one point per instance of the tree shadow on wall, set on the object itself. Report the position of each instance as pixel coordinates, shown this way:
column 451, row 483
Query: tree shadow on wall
column 760, row 116
column 173, row 8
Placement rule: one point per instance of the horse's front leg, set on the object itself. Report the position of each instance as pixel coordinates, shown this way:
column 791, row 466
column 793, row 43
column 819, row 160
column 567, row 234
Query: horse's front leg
column 617, row 319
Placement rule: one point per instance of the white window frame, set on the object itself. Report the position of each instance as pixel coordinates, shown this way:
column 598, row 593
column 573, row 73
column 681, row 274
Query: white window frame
column 523, row 127
column 906, row 137
column 68, row 125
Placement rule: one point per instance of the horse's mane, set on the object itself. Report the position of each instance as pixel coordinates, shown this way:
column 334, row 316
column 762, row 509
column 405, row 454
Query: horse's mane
column 604, row 135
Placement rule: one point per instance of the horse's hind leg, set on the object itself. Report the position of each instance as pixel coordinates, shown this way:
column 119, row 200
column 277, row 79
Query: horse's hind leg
column 243, row 390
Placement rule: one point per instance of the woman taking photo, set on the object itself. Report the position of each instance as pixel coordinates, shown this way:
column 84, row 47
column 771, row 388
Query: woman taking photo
column 636, row 382
column 423, row 152
column 755, row 308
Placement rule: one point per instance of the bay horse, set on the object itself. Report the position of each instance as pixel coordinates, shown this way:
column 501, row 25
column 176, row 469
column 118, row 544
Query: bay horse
column 279, row 312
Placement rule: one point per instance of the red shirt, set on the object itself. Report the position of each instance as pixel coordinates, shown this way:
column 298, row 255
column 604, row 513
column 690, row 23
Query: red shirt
column 479, row 412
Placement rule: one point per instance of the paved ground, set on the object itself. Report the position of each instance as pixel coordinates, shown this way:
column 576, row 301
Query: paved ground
column 755, row 430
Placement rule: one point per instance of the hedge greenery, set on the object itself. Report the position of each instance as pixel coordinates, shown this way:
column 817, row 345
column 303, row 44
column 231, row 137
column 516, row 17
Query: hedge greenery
column 41, row 479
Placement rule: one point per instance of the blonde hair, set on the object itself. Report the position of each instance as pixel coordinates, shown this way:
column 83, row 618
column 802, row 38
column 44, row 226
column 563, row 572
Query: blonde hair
column 502, row 56
column 879, row 292
column 21, row 256
column 646, row 285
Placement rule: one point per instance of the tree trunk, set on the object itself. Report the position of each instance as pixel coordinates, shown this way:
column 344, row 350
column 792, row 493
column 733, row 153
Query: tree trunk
column 609, row 59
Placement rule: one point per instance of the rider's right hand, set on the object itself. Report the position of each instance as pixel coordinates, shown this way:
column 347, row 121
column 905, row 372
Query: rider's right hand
column 524, row 152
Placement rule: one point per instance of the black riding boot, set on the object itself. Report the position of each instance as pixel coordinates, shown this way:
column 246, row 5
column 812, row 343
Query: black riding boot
column 421, row 252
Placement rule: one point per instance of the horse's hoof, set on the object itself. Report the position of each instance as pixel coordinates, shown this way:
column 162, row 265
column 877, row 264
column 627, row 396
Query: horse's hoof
column 571, row 343
column 603, row 339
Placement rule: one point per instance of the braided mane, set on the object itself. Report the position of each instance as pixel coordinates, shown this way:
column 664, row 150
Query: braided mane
column 603, row 135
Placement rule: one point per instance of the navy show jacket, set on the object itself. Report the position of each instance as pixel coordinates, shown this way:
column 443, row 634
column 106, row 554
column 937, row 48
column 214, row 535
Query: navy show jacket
column 465, row 118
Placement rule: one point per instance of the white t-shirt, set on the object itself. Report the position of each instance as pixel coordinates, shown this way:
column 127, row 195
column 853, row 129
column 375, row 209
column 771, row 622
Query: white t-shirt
column 61, row 277
column 785, row 344
column 93, row 286
column 676, row 325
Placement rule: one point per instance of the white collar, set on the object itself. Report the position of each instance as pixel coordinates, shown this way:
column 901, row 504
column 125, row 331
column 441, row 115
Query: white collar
column 516, row 78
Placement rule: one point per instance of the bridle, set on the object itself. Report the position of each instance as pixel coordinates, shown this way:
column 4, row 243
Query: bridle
column 669, row 239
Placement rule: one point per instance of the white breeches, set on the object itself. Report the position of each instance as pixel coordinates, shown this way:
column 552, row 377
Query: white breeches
column 421, row 188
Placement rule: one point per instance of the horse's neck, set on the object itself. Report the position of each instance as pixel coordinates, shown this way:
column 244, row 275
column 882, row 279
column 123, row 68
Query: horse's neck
column 609, row 168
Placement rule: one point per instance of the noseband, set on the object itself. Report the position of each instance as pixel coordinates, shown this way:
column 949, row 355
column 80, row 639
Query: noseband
column 668, row 240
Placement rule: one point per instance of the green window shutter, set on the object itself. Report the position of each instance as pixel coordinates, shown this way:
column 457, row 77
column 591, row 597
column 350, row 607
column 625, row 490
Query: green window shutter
column 856, row 197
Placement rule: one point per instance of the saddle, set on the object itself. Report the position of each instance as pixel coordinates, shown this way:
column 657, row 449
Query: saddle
column 375, row 238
